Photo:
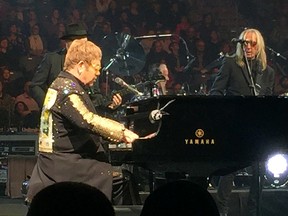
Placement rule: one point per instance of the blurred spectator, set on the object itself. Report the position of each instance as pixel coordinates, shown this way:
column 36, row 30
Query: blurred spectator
column 50, row 24
column 4, row 9
column 155, row 18
column 279, row 34
column 100, row 29
column 4, row 55
column 75, row 16
column 97, row 29
column 199, row 70
column 37, row 44
column 182, row 26
column 13, row 17
column 206, row 27
column 213, row 46
column 125, row 22
column 112, row 15
column 156, row 55
column 16, row 45
column 148, row 42
column 136, row 16
column 190, row 37
column 6, row 108
column 177, row 62
column 24, row 118
column 12, row 84
column 173, row 15
column 32, row 19
column 27, row 99
column 102, row 6
column 54, row 42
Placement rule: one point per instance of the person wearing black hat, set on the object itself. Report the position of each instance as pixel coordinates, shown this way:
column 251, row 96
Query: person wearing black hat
column 52, row 64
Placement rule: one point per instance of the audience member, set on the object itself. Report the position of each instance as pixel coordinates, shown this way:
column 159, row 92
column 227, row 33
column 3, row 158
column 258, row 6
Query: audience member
column 102, row 6
column 179, row 198
column 36, row 43
column 70, row 199
column 173, row 15
column 4, row 55
column 182, row 26
column 51, row 23
column 12, row 82
column 177, row 62
column 112, row 14
column 156, row 55
column 154, row 17
column 136, row 16
column 32, row 19
column 6, row 108
column 16, row 45
column 27, row 99
column 206, row 27
column 199, row 70
column 24, row 118
column 190, row 37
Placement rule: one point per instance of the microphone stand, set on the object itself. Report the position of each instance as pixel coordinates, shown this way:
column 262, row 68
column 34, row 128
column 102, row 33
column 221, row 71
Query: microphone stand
column 274, row 60
column 188, row 54
column 105, row 69
column 276, row 53
column 252, row 86
column 258, row 178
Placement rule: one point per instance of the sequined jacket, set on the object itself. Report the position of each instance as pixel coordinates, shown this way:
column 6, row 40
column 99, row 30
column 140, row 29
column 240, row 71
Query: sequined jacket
column 69, row 122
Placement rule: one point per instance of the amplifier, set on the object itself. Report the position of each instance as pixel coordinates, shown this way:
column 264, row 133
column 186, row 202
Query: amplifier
column 18, row 144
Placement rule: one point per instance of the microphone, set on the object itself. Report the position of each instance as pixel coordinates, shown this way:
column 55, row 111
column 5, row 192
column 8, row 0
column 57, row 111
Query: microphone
column 237, row 40
column 122, row 83
column 155, row 115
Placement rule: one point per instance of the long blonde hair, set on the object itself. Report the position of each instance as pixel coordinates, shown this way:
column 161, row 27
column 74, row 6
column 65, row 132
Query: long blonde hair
column 261, row 54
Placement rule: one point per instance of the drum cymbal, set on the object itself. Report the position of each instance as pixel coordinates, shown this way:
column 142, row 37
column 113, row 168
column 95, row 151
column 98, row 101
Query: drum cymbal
column 122, row 54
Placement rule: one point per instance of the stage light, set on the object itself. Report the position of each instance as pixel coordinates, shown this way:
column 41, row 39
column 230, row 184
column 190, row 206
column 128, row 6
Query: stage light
column 276, row 170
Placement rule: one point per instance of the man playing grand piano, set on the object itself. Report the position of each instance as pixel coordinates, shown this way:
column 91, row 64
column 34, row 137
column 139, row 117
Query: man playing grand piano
column 246, row 73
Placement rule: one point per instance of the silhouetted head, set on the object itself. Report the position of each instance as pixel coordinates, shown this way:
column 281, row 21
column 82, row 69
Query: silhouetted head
column 70, row 199
column 180, row 198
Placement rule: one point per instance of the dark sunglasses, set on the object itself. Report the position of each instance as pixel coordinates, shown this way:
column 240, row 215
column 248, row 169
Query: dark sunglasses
column 252, row 43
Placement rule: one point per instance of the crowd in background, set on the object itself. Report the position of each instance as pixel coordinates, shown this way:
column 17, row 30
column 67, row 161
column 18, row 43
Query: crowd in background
column 201, row 35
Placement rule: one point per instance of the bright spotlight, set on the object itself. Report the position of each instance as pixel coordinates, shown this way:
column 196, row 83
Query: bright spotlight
column 277, row 170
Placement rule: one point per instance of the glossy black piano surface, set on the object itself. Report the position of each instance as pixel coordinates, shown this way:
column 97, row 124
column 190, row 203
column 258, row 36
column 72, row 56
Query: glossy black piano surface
column 206, row 135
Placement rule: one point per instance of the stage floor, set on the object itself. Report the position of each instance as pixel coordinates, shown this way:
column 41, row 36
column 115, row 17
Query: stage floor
column 274, row 203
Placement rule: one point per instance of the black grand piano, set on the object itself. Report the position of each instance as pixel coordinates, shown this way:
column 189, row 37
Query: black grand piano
column 206, row 135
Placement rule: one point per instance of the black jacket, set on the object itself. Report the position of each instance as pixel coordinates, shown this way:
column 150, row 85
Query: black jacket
column 234, row 80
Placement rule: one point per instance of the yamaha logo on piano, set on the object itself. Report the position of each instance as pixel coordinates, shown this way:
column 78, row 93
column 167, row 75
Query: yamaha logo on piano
column 199, row 139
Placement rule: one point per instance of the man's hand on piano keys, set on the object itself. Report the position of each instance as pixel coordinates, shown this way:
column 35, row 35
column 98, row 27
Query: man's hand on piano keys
column 149, row 136
column 129, row 136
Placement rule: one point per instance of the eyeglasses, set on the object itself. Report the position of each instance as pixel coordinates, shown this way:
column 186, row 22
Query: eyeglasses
column 96, row 68
column 252, row 43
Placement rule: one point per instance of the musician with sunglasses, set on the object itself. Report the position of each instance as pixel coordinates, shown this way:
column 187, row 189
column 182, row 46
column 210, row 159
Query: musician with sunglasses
column 245, row 73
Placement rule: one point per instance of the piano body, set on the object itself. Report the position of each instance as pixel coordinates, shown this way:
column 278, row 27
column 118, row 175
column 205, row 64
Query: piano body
column 207, row 135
